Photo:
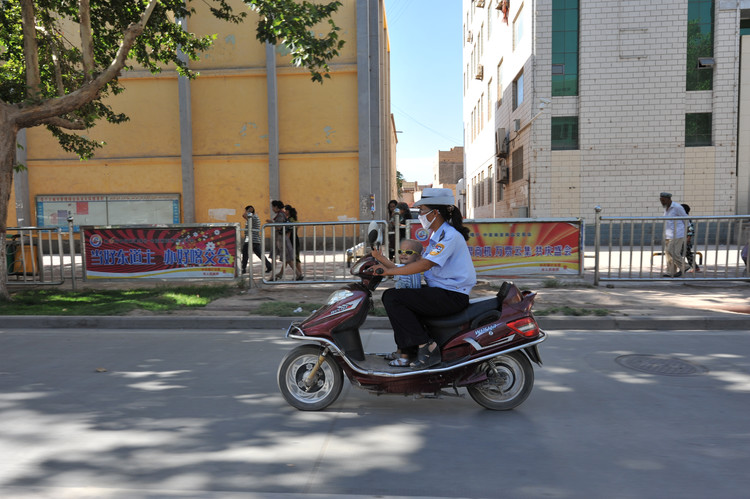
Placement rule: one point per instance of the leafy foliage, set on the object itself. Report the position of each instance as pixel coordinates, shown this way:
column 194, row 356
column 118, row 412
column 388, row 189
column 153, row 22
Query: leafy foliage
column 289, row 22
column 163, row 42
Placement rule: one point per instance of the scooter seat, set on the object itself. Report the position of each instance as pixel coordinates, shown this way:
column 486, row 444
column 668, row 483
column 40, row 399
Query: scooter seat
column 476, row 308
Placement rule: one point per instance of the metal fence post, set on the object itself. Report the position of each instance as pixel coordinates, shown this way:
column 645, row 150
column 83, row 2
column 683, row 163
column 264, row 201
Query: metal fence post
column 249, row 235
column 72, row 252
column 597, row 236
column 396, row 221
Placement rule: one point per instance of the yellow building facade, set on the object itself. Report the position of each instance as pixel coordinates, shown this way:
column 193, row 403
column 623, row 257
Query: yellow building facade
column 249, row 129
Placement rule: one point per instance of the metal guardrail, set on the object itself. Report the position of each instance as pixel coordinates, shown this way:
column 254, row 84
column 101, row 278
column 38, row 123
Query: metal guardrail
column 35, row 255
column 635, row 248
column 322, row 251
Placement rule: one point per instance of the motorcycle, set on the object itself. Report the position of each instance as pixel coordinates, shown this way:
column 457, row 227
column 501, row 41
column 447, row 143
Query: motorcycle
column 487, row 348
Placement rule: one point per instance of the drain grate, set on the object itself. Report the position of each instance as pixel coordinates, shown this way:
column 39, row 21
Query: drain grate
column 666, row 366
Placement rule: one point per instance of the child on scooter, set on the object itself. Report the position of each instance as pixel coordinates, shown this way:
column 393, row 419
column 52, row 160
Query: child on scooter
column 411, row 251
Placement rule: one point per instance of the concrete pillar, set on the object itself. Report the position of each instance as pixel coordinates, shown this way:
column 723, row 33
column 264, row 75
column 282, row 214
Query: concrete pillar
column 21, row 185
column 272, row 92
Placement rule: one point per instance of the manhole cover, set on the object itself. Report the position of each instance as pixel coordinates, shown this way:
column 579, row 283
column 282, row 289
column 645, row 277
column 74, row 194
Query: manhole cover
column 666, row 366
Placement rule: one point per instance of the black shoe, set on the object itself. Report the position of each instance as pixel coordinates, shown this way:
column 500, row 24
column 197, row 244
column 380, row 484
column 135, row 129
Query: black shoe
column 427, row 358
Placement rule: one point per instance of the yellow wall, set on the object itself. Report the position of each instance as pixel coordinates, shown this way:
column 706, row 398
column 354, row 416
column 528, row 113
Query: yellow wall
column 229, row 116
column 235, row 45
column 12, row 215
column 149, row 175
column 312, row 117
column 322, row 189
column 153, row 130
column 318, row 133
column 225, row 185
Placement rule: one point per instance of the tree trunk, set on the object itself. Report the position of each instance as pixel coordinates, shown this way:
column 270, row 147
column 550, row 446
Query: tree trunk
column 8, row 132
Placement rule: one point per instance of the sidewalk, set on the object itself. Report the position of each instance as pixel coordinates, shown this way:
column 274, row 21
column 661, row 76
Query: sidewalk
column 667, row 305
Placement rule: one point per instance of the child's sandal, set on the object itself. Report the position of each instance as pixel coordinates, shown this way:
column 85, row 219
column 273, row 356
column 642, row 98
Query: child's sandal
column 399, row 362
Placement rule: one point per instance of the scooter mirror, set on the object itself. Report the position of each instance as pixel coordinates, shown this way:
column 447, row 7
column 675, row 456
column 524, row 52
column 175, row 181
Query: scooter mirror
column 372, row 237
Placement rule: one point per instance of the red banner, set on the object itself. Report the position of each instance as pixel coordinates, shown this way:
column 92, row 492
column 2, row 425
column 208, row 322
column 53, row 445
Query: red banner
column 161, row 253
column 520, row 248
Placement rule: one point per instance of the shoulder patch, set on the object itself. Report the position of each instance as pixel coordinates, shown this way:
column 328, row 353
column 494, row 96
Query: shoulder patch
column 437, row 249
column 442, row 235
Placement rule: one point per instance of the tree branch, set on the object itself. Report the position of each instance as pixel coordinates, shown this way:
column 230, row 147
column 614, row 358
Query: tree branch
column 30, row 49
column 64, row 123
column 36, row 114
column 87, row 41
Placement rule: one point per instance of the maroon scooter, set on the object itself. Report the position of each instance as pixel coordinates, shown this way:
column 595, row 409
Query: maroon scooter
column 487, row 348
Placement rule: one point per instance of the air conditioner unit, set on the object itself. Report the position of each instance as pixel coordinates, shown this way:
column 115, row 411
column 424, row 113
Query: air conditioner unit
column 499, row 139
column 480, row 72
column 480, row 4
column 469, row 37
column 503, row 172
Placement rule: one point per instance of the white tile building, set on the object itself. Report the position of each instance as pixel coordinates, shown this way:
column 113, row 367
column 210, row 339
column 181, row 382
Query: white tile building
column 603, row 102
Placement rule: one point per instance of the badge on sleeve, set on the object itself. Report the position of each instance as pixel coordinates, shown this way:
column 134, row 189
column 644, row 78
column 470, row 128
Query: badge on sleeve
column 437, row 249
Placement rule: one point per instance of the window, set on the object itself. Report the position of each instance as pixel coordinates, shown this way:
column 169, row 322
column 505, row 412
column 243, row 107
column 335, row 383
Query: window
column 481, row 189
column 473, row 133
column 564, row 47
column 500, row 82
column 481, row 112
column 517, row 165
column 700, row 43
column 498, row 189
column 489, row 19
column 481, row 40
column 698, row 129
column 489, row 99
column 518, row 28
column 564, row 133
column 518, row 91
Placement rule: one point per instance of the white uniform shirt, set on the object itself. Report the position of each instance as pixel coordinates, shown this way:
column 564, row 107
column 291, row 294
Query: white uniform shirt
column 453, row 269
column 674, row 230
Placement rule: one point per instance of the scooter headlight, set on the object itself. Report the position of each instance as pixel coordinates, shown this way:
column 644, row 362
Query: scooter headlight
column 337, row 296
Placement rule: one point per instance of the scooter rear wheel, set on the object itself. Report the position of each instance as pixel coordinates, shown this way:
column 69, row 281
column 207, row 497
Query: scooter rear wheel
column 294, row 370
column 510, row 379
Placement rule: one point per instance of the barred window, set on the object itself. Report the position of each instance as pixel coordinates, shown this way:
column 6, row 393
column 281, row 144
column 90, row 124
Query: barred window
column 517, row 165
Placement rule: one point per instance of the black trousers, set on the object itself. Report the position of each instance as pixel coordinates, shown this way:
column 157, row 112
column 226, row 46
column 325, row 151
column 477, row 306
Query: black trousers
column 256, row 250
column 406, row 306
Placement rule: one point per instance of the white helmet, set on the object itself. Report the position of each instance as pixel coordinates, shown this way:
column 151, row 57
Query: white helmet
column 434, row 196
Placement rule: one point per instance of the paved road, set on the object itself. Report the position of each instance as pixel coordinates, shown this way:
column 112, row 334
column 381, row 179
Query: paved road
column 196, row 414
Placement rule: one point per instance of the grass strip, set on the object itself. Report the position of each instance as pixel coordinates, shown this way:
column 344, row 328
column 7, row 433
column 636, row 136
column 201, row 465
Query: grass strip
column 111, row 302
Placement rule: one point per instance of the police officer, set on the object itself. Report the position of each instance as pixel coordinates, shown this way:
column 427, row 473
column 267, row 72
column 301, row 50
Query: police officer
column 449, row 274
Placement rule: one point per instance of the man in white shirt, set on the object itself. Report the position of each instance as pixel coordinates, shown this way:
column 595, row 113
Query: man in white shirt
column 674, row 235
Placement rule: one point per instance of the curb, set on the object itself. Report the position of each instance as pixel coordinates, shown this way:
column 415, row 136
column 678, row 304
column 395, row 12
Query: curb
column 675, row 323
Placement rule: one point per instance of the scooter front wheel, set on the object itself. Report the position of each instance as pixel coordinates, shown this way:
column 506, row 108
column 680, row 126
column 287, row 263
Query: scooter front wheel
column 510, row 379
column 299, row 389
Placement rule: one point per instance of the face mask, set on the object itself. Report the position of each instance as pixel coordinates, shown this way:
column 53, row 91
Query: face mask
column 423, row 220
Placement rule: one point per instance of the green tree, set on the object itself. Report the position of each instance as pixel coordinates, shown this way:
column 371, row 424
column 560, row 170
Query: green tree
column 399, row 183
column 48, row 79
